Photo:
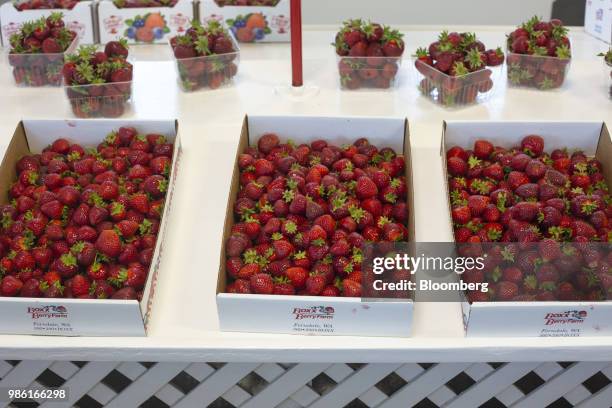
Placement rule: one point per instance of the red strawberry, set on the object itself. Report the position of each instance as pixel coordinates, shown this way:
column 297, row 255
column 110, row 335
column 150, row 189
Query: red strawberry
column 10, row 286
column 366, row 188
column 297, row 276
column 505, row 291
column 483, row 149
column 262, row 284
column 315, row 284
column 533, row 145
column 80, row 285
column 109, row 243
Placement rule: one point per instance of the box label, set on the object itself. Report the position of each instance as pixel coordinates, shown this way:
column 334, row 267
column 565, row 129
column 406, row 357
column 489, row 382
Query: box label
column 251, row 23
column 143, row 25
column 314, row 319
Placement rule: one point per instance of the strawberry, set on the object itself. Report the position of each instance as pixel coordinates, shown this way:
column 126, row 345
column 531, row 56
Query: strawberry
column 315, row 284
column 109, row 243
column 483, row 149
column 10, row 286
column 461, row 215
column 506, row 291
column 139, row 202
column 456, row 166
column 52, row 209
column 297, row 276
column 351, row 288
column 366, row 188
column 516, row 179
column 262, row 284
column 80, row 285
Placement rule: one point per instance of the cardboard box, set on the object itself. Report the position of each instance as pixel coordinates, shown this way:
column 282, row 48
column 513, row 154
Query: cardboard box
column 313, row 314
column 274, row 27
column 147, row 25
column 80, row 317
column 80, row 19
column 598, row 19
column 535, row 319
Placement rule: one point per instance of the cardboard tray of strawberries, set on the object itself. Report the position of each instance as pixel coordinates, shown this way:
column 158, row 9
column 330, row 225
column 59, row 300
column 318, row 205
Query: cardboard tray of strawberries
column 143, row 22
column 78, row 271
column 250, row 20
column 79, row 17
column 288, row 288
column 552, row 277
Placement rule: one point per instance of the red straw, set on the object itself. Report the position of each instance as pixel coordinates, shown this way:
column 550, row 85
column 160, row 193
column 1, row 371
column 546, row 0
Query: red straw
column 296, row 42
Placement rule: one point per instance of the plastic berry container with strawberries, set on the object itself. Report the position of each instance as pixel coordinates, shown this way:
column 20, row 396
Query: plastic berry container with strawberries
column 206, row 56
column 37, row 51
column 456, row 91
column 369, row 55
column 538, row 55
column 98, row 83
column 457, row 70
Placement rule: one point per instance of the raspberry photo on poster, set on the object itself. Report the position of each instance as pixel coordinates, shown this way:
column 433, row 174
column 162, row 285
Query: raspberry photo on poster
column 304, row 212
column 543, row 220
column 83, row 222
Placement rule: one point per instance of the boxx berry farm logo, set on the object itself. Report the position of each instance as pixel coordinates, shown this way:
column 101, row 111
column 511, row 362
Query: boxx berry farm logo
column 569, row 317
column 314, row 312
column 48, row 312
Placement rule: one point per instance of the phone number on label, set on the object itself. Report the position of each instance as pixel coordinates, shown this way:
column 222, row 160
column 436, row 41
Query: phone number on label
column 30, row 394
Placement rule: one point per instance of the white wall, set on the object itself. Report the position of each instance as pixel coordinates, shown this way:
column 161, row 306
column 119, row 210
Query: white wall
column 450, row 12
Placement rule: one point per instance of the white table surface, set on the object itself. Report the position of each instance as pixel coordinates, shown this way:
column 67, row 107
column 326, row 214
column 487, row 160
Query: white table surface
column 184, row 325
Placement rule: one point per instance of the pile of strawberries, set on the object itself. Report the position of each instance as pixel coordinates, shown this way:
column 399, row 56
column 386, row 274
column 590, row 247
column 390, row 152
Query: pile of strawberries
column 454, row 68
column 98, row 83
column 83, row 223
column 304, row 212
column 546, row 219
column 539, row 54
column 36, row 51
column 369, row 54
column 22, row 5
column 206, row 56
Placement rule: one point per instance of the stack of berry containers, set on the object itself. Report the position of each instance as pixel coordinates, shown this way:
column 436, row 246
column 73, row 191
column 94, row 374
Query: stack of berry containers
column 206, row 71
column 98, row 83
column 456, row 91
column 38, row 69
column 538, row 55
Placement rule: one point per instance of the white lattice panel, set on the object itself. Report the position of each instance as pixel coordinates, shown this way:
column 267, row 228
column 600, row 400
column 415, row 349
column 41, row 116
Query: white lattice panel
column 316, row 385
